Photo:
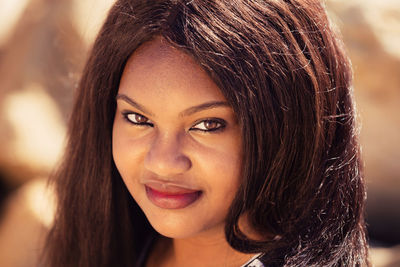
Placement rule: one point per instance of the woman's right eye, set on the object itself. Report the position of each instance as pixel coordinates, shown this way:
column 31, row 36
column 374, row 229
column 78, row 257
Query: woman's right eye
column 137, row 119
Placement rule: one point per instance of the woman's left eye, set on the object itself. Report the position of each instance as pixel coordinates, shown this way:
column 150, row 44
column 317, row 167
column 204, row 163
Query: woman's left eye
column 209, row 125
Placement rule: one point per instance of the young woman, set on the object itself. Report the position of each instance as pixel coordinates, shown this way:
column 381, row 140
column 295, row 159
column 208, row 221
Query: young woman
column 212, row 133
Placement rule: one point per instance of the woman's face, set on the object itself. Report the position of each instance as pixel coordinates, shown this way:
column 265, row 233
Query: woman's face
column 176, row 142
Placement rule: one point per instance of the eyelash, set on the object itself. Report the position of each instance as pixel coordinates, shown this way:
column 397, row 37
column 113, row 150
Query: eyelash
column 126, row 117
column 220, row 122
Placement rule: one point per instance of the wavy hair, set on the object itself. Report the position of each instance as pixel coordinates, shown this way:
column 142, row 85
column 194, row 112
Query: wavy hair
column 284, row 72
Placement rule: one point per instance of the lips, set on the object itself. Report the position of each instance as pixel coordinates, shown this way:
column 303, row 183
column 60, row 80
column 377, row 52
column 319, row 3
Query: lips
column 170, row 196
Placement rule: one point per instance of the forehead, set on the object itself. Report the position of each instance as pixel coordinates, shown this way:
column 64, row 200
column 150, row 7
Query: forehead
column 157, row 69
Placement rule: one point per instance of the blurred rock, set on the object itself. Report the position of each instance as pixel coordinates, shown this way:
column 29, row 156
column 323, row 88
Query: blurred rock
column 10, row 13
column 28, row 215
column 42, row 51
column 37, row 126
column 371, row 31
column 385, row 257
column 88, row 17
column 39, row 68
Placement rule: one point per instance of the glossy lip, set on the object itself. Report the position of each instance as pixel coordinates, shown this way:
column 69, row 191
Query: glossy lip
column 168, row 195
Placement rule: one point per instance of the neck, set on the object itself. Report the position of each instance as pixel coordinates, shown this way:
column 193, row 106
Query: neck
column 213, row 250
column 209, row 248
column 213, row 253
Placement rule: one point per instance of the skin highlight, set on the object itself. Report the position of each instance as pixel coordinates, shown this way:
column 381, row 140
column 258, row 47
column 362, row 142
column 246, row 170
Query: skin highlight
column 172, row 145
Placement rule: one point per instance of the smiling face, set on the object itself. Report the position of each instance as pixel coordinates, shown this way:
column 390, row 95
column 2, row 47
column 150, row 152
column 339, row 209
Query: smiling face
column 176, row 142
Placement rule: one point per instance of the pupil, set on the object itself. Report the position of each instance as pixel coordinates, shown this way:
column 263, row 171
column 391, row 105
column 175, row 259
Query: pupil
column 210, row 124
column 140, row 118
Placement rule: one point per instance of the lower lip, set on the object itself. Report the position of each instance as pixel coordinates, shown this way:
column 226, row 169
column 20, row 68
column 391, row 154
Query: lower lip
column 168, row 201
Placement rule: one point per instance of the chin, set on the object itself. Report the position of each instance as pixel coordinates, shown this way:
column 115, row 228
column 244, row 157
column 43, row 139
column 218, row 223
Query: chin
column 188, row 222
column 175, row 226
column 173, row 232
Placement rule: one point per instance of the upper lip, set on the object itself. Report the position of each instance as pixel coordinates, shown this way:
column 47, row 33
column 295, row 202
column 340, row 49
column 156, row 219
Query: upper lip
column 169, row 187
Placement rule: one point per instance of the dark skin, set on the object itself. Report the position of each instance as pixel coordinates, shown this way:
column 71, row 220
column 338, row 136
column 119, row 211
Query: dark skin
column 172, row 133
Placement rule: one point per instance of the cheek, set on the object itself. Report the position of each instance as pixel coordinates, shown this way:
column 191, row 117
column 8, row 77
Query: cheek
column 127, row 151
column 220, row 171
column 221, row 167
column 226, row 178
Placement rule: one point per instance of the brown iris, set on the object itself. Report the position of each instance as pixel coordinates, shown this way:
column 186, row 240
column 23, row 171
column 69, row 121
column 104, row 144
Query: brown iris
column 209, row 125
column 140, row 119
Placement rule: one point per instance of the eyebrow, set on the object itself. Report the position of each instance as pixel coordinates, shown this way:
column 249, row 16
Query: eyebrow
column 186, row 112
column 133, row 103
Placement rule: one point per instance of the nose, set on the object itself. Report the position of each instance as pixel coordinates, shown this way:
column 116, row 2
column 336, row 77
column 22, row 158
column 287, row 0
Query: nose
column 165, row 157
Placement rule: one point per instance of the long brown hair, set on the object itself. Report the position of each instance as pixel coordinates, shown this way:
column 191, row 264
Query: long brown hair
column 285, row 74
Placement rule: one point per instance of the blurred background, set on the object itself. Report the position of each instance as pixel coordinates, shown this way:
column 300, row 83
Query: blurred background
column 43, row 46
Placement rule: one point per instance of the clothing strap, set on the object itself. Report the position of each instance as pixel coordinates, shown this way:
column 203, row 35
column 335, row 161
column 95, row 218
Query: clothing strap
column 254, row 261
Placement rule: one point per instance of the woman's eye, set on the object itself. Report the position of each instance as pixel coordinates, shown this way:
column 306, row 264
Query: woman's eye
column 209, row 125
column 137, row 119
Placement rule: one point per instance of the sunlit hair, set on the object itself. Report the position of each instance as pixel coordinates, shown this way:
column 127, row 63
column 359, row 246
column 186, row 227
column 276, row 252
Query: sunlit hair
column 284, row 72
